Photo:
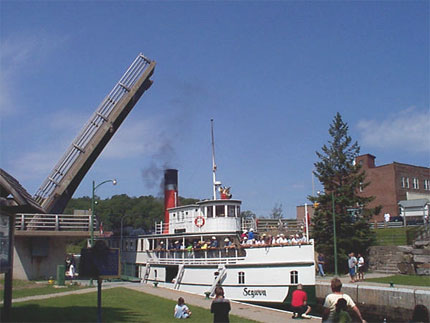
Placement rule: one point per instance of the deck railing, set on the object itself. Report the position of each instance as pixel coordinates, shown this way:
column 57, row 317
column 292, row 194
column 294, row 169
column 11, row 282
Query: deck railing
column 53, row 222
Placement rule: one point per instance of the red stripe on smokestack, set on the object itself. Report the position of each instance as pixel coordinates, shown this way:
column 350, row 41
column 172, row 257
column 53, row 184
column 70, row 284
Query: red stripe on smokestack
column 170, row 194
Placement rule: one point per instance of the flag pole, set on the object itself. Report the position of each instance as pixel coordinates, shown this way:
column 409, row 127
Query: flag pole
column 306, row 221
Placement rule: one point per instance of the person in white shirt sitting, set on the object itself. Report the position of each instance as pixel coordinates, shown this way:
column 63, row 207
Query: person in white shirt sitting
column 181, row 310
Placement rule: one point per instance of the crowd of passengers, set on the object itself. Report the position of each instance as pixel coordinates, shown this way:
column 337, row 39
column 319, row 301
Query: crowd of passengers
column 248, row 239
column 252, row 240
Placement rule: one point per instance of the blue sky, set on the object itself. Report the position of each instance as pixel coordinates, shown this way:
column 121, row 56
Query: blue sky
column 271, row 74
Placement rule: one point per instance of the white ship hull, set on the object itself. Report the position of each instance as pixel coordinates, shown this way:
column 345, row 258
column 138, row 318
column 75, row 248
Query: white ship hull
column 253, row 274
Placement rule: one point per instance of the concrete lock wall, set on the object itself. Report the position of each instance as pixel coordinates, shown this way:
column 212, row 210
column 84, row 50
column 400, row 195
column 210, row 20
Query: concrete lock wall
column 38, row 257
column 389, row 302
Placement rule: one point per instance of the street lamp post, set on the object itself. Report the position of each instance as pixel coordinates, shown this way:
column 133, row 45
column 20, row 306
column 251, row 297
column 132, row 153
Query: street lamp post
column 114, row 182
column 120, row 239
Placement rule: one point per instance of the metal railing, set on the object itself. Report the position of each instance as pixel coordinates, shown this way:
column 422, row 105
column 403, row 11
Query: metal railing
column 52, row 222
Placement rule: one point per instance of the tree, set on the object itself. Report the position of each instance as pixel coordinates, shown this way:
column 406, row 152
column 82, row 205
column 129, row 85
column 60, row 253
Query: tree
column 341, row 178
column 276, row 212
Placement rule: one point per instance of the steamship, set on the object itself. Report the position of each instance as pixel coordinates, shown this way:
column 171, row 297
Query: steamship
column 199, row 247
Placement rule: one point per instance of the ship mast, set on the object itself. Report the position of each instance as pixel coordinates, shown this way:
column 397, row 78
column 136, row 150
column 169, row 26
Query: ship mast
column 213, row 161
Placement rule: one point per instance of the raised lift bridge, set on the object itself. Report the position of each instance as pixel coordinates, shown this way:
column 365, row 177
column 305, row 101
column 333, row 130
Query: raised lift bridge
column 48, row 234
column 59, row 186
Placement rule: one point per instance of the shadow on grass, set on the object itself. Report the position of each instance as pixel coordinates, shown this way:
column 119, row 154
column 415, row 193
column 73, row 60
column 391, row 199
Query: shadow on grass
column 37, row 313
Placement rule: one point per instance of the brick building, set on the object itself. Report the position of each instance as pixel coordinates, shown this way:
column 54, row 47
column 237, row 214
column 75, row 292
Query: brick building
column 392, row 183
column 300, row 213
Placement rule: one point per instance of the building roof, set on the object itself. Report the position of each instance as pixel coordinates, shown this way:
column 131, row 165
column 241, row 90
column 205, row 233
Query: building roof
column 14, row 198
column 414, row 203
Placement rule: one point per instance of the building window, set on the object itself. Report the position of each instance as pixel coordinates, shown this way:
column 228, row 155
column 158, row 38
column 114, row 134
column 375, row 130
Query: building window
column 241, row 277
column 427, row 184
column 361, row 187
column 405, row 182
column 416, row 183
column 294, row 277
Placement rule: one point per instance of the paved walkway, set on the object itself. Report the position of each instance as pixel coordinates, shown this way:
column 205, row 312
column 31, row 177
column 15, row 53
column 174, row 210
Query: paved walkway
column 252, row 312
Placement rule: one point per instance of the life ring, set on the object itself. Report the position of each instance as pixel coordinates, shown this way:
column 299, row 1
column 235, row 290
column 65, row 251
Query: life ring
column 199, row 221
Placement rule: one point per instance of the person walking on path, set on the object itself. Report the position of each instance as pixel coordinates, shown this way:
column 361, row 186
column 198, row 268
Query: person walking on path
column 360, row 267
column 299, row 303
column 321, row 262
column 352, row 262
column 332, row 299
column 220, row 306
column 181, row 310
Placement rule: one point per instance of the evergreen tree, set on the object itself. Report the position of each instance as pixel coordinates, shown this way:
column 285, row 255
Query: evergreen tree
column 341, row 178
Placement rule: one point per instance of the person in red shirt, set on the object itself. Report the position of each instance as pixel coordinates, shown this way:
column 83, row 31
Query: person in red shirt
column 299, row 303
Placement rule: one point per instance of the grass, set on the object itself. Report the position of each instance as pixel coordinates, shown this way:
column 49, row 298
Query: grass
column 22, row 288
column 403, row 280
column 391, row 237
column 396, row 236
column 119, row 305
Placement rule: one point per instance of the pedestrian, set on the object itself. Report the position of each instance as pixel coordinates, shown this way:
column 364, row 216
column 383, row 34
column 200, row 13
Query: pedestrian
column 387, row 217
column 321, row 262
column 331, row 301
column 299, row 303
column 220, row 306
column 72, row 272
column 360, row 267
column 181, row 310
column 341, row 315
column 352, row 262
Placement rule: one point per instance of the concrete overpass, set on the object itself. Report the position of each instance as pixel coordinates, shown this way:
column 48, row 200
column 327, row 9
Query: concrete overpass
column 41, row 240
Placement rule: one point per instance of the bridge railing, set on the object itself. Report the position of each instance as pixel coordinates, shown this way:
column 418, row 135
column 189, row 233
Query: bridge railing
column 53, row 222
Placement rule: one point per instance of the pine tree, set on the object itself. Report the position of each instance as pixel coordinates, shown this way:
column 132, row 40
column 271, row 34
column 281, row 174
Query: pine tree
column 341, row 178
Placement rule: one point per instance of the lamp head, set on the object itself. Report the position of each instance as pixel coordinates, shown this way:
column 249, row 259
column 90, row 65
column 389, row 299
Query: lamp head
column 114, row 182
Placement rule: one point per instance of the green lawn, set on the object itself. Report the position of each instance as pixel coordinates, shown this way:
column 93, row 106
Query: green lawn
column 403, row 280
column 21, row 288
column 119, row 305
column 396, row 236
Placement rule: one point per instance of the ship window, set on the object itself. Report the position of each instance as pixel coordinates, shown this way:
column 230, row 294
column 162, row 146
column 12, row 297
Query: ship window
column 238, row 211
column 294, row 277
column 241, row 277
column 220, row 210
column 209, row 211
column 231, row 210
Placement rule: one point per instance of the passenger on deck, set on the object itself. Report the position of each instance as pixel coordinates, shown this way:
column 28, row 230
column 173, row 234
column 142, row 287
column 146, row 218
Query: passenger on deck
column 244, row 241
column 243, row 235
column 177, row 246
column 160, row 246
column 214, row 243
column 251, row 235
column 227, row 243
